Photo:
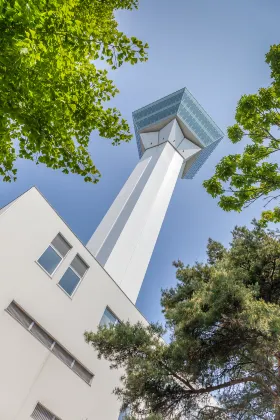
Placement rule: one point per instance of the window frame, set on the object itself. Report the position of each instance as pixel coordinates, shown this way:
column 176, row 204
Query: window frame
column 54, row 342
column 57, row 252
column 44, row 407
column 113, row 313
column 77, row 274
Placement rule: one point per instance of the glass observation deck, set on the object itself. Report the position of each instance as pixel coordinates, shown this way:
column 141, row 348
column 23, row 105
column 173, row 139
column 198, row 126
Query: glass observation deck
column 193, row 120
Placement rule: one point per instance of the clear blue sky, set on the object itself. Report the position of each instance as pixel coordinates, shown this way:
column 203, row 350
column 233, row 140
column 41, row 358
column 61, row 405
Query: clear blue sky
column 216, row 49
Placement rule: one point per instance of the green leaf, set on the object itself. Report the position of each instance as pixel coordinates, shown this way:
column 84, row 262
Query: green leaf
column 55, row 95
column 241, row 179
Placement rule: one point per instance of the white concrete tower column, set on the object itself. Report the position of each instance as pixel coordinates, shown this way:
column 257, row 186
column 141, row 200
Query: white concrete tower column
column 124, row 241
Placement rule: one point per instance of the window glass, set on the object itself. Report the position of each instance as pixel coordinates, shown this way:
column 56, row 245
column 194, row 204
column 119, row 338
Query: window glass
column 42, row 413
column 48, row 341
column 61, row 245
column 82, row 372
column 73, row 275
column 19, row 315
column 123, row 415
column 49, row 260
column 69, row 281
column 54, row 254
column 79, row 266
column 63, row 354
column 108, row 318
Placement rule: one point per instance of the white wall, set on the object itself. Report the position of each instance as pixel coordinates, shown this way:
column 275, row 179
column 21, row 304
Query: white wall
column 29, row 373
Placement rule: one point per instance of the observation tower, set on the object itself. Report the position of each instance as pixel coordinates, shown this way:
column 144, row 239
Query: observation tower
column 175, row 136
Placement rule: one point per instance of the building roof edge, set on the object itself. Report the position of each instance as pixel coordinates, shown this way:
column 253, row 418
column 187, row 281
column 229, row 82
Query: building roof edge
column 34, row 187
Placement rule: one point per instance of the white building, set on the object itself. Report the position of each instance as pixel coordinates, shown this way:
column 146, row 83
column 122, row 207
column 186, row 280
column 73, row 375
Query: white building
column 53, row 288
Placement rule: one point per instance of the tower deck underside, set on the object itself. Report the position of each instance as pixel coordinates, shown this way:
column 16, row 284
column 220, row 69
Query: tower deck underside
column 193, row 120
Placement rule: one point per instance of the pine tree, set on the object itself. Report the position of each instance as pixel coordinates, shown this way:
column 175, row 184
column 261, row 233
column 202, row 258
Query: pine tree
column 223, row 318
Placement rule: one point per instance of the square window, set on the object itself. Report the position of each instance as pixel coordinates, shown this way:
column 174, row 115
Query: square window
column 50, row 260
column 61, row 245
column 73, row 275
column 69, row 281
column 54, row 254
column 108, row 318
column 79, row 266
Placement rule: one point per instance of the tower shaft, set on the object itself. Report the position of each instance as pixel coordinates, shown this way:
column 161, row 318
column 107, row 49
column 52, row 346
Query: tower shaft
column 175, row 136
column 124, row 241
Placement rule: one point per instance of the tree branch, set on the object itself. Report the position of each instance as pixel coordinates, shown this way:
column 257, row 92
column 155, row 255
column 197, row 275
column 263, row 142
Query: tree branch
column 178, row 377
column 232, row 382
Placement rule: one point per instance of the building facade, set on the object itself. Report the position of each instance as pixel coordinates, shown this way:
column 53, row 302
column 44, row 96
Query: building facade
column 31, row 371
column 53, row 288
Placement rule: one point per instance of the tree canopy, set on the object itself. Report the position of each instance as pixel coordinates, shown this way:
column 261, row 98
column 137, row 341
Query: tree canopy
column 223, row 318
column 243, row 178
column 52, row 93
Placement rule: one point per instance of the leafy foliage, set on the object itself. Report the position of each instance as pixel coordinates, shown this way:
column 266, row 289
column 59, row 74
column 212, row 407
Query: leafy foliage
column 51, row 92
column 241, row 179
column 224, row 323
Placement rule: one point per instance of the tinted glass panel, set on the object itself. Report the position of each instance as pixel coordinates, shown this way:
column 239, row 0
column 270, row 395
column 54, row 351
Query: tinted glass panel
column 79, row 266
column 49, row 260
column 108, row 318
column 61, row 245
column 62, row 354
column 42, row 336
column 82, row 372
column 19, row 315
column 69, row 281
column 41, row 413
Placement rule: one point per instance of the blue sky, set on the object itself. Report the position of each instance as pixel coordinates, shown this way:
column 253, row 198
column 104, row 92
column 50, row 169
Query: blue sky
column 216, row 49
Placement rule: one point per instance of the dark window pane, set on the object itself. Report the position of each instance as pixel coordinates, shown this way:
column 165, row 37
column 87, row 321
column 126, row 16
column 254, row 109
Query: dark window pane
column 41, row 413
column 82, row 372
column 19, row 315
column 62, row 354
column 61, row 245
column 49, row 260
column 69, row 281
column 108, row 318
column 42, row 336
column 16, row 312
column 79, row 266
